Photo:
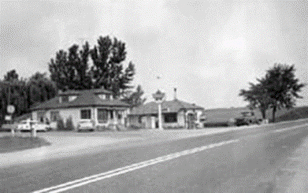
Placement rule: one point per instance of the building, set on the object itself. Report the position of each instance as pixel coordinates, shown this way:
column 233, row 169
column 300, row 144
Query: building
column 175, row 114
column 96, row 105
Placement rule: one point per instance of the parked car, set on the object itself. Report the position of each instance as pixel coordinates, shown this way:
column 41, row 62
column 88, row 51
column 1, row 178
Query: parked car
column 26, row 125
column 247, row 118
column 7, row 127
column 85, row 125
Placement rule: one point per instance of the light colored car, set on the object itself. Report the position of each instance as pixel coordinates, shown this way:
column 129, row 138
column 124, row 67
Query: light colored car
column 85, row 125
column 26, row 126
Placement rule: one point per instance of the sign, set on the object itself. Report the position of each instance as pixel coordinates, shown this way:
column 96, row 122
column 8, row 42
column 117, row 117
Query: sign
column 10, row 109
column 8, row 117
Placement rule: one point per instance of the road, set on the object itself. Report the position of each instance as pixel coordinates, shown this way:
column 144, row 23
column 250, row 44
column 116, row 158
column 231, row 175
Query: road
column 246, row 160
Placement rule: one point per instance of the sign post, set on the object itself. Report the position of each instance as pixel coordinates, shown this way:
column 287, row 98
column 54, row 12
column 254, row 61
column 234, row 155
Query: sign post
column 10, row 109
column 159, row 98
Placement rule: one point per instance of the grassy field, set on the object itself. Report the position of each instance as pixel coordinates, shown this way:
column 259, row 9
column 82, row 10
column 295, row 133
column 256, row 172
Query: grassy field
column 220, row 117
column 17, row 143
column 293, row 114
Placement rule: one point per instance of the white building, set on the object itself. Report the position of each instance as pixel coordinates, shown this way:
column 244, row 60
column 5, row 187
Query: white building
column 96, row 105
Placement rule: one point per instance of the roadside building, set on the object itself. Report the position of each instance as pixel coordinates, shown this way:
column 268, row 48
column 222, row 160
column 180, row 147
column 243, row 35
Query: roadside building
column 97, row 105
column 175, row 114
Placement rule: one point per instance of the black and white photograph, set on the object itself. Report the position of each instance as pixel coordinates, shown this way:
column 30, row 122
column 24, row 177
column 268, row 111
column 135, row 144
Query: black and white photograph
column 126, row 96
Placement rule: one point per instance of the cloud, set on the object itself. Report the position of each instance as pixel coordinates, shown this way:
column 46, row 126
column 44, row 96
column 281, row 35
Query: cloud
column 209, row 50
column 33, row 32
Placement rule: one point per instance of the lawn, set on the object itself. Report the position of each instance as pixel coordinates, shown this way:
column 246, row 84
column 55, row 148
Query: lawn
column 17, row 143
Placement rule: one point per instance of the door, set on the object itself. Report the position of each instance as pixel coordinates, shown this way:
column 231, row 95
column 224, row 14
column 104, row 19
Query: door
column 191, row 120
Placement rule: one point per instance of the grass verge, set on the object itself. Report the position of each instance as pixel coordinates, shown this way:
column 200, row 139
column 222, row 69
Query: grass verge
column 17, row 143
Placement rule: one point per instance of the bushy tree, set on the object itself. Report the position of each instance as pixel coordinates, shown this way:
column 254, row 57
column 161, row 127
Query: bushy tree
column 257, row 97
column 40, row 88
column 13, row 92
column 282, row 87
column 60, row 124
column 23, row 93
column 69, row 124
column 278, row 89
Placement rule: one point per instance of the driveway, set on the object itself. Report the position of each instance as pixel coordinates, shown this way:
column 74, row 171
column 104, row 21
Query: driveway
column 63, row 144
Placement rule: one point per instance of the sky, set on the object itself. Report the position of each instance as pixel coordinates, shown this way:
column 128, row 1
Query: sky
column 208, row 50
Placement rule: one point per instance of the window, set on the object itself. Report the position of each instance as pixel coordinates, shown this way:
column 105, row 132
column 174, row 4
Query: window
column 140, row 119
column 102, row 115
column 40, row 116
column 85, row 114
column 54, row 116
column 64, row 99
column 71, row 98
column 111, row 114
column 171, row 118
column 108, row 96
column 119, row 115
column 101, row 96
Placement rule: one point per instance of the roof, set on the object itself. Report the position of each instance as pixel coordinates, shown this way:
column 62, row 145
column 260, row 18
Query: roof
column 77, row 92
column 85, row 98
column 173, row 106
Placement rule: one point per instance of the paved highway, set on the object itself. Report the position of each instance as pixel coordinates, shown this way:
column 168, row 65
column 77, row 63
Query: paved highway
column 247, row 160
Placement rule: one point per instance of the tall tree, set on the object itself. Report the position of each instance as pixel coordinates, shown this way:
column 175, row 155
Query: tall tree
column 134, row 98
column 107, row 70
column 282, row 87
column 11, row 76
column 71, row 70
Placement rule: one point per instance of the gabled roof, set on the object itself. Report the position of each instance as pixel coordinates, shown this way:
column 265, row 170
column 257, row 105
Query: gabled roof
column 173, row 106
column 85, row 98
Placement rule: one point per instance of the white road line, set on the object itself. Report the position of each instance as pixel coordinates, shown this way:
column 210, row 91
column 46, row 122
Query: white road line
column 94, row 178
column 291, row 128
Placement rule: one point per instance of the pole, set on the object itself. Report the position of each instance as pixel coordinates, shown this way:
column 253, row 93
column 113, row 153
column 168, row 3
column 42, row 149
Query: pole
column 160, row 125
column 33, row 130
column 8, row 103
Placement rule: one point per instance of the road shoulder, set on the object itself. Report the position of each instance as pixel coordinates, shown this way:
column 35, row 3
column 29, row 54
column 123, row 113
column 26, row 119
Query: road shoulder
column 293, row 176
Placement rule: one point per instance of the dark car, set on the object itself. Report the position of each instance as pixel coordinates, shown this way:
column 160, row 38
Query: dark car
column 247, row 118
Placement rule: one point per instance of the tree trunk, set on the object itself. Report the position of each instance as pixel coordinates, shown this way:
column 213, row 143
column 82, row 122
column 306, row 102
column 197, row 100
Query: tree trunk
column 263, row 113
column 273, row 114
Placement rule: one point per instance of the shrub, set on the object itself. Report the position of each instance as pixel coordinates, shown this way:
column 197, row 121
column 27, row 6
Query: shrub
column 69, row 124
column 134, row 127
column 216, row 124
column 60, row 124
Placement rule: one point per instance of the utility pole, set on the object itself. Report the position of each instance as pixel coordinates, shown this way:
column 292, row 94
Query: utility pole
column 9, row 108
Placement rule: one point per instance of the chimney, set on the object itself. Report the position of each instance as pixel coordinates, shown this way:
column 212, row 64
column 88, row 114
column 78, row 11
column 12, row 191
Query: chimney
column 175, row 94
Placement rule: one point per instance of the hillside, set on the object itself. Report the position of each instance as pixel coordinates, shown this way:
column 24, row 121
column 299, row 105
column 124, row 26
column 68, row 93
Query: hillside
column 293, row 114
column 222, row 115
